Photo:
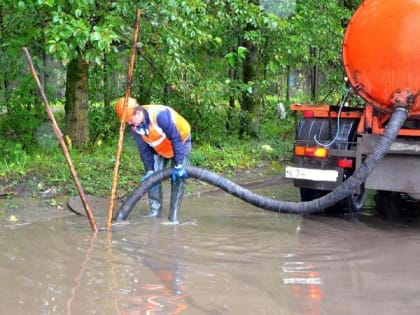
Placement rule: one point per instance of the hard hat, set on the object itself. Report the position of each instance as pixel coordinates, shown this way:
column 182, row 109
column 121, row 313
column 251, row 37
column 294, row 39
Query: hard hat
column 119, row 108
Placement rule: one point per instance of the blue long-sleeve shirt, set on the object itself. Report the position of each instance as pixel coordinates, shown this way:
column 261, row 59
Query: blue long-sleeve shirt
column 166, row 123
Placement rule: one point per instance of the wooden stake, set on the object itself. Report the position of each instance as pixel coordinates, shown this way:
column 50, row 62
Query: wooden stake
column 123, row 124
column 63, row 145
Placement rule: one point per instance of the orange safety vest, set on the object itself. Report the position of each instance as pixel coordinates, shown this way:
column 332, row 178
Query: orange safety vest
column 157, row 139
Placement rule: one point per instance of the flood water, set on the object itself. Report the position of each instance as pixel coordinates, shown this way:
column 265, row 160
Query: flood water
column 227, row 257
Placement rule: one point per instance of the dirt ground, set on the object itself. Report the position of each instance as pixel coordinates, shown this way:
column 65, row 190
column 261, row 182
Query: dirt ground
column 20, row 208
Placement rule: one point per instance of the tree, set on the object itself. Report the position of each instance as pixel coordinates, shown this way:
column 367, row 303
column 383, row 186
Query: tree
column 17, row 31
column 312, row 44
column 250, row 100
column 80, row 33
column 215, row 61
column 76, row 104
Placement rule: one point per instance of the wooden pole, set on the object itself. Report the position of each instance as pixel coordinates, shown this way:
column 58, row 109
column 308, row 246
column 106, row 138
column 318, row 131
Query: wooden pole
column 123, row 124
column 63, row 145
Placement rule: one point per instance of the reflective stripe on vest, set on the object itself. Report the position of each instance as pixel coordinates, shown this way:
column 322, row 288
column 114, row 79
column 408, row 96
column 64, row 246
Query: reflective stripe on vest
column 157, row 139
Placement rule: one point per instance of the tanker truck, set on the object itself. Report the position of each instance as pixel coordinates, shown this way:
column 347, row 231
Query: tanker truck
column 381, row 58
column 342, row 150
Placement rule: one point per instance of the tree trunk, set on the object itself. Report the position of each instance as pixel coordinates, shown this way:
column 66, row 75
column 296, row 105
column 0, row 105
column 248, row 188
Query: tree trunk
column 5, row 81
column 232, row 75
column 111, row 83
column 107, row 78
column 249, row 103
column 288, row 84
column 76, row 106
column 314, row 76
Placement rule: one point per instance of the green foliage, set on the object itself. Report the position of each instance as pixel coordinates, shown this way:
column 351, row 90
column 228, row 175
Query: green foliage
column 190, row 56
column 190, row 52
column 15, row 159
column 42, row 169
column 103, row 123
column 82, row 26
column 223, row 157
column 272, row 125
column 20, row 126
column 314, row 36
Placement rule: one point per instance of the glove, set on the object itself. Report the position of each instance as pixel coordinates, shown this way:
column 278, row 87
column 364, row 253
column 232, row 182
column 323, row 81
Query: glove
column 179, row 172
column 146, row 176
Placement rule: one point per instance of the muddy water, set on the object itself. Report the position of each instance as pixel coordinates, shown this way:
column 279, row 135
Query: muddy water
column 226, row 257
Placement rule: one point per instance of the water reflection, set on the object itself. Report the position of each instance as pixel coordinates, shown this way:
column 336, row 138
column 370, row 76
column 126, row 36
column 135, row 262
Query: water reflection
column 165, row 292
column 305, row 284
column 79, row 276
column 227, row 258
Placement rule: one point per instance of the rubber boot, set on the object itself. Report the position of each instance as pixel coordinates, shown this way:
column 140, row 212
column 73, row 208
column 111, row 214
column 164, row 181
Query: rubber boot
column 177, row 193
column 155, row 193
column 155, row 201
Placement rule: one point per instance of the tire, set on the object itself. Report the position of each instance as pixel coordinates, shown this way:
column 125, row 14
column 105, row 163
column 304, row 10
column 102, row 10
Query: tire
column 352, row 203
column 308, row 194
column 387, row 204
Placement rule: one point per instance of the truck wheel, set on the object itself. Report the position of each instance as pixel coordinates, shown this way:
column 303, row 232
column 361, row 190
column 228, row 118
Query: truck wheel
column 387, row 204
column 352, row 203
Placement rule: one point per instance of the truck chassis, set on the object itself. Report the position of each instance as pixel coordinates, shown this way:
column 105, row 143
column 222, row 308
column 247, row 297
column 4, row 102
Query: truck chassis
column 331, row 142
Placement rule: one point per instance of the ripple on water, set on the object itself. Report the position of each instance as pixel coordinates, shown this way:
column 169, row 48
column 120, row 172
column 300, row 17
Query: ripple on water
column 226, row 257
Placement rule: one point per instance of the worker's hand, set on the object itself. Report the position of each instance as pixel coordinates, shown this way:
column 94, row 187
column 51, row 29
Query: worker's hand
column 179, row 172
column 146, row 176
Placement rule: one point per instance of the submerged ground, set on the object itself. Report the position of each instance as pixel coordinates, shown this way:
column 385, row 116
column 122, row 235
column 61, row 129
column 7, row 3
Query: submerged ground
column 25, row 206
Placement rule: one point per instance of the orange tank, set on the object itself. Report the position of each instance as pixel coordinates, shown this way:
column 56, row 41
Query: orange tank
column 381, row 53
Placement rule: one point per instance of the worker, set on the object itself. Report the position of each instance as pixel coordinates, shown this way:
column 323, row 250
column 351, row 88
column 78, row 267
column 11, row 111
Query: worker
column 161, row 134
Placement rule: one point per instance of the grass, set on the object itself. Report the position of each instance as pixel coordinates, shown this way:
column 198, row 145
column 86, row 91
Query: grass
column 44, row 166
column 48, row 168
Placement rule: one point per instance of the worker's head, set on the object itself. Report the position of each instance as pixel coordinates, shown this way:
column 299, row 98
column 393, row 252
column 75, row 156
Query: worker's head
column 133, row 111
column 119, row 108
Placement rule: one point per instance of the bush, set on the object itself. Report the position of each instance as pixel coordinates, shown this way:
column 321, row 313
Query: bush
column 20, row 127
column 103, row 123
column 216, row 150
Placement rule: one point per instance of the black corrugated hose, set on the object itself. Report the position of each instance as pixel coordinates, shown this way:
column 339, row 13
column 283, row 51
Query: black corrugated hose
column 318, row 205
